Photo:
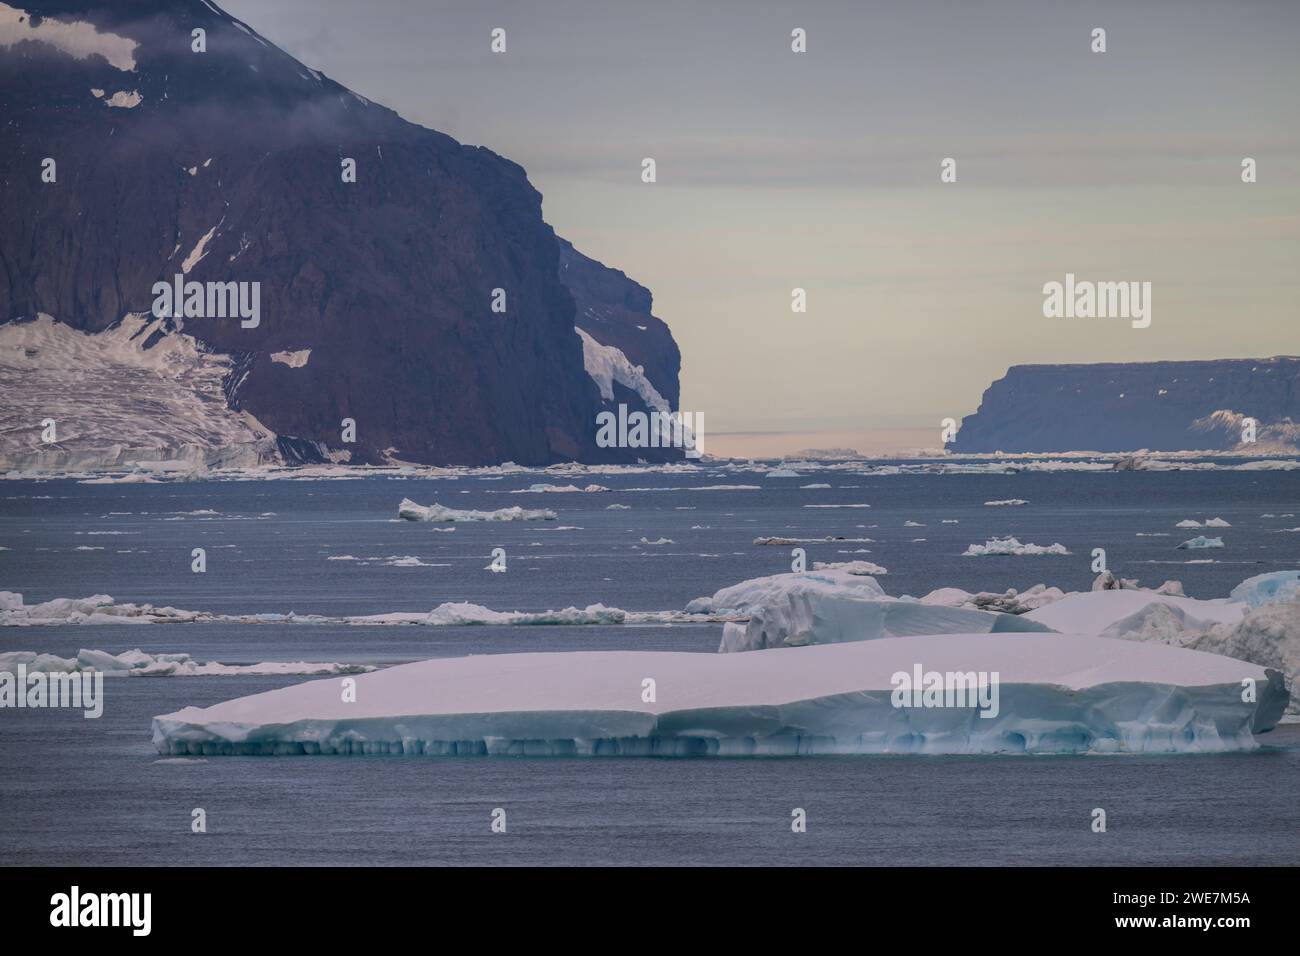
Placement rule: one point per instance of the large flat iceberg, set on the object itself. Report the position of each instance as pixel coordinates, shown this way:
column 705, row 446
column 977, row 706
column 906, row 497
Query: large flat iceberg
column 1057, row 694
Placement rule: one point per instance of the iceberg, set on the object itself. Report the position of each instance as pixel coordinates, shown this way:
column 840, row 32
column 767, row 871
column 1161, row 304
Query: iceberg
column 1267, row 588
column 1010, row 601
column 833, row 606
column 1110, row 611
column 1200, row 542
column 1058, row 694
column 411, row 511
column 1267, row 634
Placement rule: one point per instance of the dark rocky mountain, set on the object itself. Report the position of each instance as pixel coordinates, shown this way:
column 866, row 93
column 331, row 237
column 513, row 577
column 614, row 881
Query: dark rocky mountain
column 388, row 280
column 1115, row 407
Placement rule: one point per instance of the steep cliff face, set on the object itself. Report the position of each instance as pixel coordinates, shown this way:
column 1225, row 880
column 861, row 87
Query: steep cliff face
column 226, row 166
column 1161, row 406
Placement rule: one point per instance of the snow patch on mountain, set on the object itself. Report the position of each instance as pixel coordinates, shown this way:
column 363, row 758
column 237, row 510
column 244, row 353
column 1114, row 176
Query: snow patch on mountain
column 77, row 38
column 296, row 359
column 607, row 365
column 124, row 100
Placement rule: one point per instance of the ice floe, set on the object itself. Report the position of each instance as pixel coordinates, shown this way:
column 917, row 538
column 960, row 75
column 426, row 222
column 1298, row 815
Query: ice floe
column 411, row 511
column 96, row 609
column 138, row 663
column 852, row 567
column 1011, row 546
column 558, row 489
column 451, row 614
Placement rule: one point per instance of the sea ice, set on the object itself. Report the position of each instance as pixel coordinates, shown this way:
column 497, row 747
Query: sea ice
column 558, row 489
column 832, row 606
column 411, row 511
column 1011, row 546
column 1267, row 588
column 138, row 663
column 852, row 567
column 1057, row 694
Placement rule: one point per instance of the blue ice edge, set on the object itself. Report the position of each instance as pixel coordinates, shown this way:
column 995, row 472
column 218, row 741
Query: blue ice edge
column 1095, row 695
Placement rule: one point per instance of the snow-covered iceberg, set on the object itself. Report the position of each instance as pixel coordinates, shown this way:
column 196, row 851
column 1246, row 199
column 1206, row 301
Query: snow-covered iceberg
column 1266, row 632
column 1010, row 601
column 833, row 606
column 1110, row 611
column 1056, row 694
column 1268, row 588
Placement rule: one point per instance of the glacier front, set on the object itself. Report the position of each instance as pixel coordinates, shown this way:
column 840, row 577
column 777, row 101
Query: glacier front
column 1057, row 694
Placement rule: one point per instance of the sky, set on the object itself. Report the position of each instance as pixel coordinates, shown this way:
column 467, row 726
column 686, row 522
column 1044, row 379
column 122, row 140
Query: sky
column 820, row 170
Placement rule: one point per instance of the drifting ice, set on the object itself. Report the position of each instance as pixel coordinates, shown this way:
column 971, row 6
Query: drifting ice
column 137, row 663
column 1004, row 546
column 411, row 511
column 834, row 606
column 1058, row 694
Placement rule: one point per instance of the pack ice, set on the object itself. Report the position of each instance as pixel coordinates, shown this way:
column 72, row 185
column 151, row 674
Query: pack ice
column 1058, row 694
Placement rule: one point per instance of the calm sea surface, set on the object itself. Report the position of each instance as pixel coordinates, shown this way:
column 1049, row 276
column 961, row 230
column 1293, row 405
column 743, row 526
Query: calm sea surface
column 75, row 791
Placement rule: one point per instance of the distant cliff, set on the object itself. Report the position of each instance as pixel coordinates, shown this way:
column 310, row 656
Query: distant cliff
column 1161, row 406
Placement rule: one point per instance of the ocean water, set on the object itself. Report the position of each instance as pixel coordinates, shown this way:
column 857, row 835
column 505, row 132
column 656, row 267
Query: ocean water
column 76, row 791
